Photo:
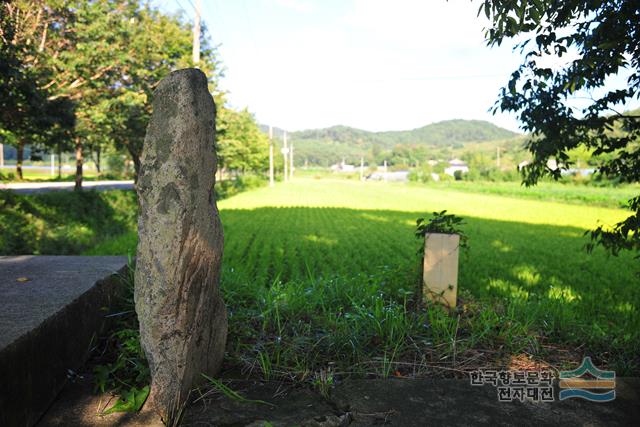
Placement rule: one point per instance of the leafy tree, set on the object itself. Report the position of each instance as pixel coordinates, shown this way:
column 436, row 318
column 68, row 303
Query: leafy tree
column 107, row 56
column 28, row 113
column 80, row 75
column 242, row 146
column 408, row 155
column 72, row 60
column 569, row 106
column 92, row 41
column 162, row 43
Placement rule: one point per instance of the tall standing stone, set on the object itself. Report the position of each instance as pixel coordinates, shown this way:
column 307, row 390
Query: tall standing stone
column 183, row 320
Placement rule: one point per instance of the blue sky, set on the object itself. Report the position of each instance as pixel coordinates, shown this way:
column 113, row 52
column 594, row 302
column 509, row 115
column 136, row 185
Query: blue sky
column 370, row 64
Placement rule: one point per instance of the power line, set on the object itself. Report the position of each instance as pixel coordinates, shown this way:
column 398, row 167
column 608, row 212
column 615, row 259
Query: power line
column 183, row 9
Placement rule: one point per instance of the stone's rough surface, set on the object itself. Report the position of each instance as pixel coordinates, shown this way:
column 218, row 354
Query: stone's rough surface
column 183, row 321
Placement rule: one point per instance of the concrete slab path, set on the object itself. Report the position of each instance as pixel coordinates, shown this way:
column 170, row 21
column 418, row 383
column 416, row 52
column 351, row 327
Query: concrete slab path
column 51, row 310
column 44, row 187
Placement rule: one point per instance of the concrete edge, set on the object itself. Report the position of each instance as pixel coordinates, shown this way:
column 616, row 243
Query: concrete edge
column 35, row 367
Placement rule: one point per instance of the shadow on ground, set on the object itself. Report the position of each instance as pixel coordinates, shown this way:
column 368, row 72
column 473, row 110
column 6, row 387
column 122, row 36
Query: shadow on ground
column 361, row 403
column 540, row 272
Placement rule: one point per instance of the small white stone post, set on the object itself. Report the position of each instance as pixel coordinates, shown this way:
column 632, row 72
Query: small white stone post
column 440, row 273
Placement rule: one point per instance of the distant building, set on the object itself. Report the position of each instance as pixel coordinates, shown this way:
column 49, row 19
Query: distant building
column 456, row 165
column 432, row 162
column 343, row 167
column 553, row 165
column 579, row 171
column 396, row 176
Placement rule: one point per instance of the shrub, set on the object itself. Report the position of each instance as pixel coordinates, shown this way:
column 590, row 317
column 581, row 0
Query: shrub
column 230, row 187
column 7, row 177
column 116, row 165
column 61, row 223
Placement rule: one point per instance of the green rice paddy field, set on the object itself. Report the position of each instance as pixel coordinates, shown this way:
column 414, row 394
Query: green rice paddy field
column 322, row 274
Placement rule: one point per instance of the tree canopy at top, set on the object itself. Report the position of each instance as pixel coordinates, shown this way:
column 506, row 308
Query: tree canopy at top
column 572, row 105
column 101, row 61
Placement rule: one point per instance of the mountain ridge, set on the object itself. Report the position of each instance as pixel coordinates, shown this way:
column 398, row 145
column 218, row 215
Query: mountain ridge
column 325, row 146
column 480, row 124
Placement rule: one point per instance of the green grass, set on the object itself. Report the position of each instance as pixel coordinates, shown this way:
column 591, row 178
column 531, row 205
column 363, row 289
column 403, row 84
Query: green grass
column 44, row 175
column 321, row 274
column 615, row 197
column 63, row 223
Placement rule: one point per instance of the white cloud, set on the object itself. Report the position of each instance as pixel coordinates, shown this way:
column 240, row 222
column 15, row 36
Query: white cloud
column 372, row 64
column 296, row 5
column 434, row 24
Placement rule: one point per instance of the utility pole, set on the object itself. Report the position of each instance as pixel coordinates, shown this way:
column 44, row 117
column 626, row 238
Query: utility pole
column 271, row 181
column 291, row 164
column 196, row 33
column 1, row 155
column 285, row 152
column 498, row 157
column 385, row 171
column 361, row 168
column 53, row 164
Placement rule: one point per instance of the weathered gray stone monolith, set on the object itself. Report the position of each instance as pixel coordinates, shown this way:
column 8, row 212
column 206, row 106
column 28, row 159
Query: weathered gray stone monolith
column 183, row 321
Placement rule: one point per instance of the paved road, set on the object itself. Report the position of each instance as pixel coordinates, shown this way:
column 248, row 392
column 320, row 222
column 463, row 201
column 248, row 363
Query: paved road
column 44, row 187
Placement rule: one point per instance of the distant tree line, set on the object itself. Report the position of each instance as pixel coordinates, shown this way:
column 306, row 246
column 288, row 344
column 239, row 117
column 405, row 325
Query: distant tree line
column 324, row 147
column 79, row 76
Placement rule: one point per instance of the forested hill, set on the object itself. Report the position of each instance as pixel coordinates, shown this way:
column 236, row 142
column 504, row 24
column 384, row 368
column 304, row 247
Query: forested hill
column 440, row 133
column 329, row 145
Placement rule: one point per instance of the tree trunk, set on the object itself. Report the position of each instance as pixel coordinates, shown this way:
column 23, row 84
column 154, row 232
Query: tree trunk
column 98, row 159
column 19, row 158
column 59, row 161
column 79, row 160
column 135, row 156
